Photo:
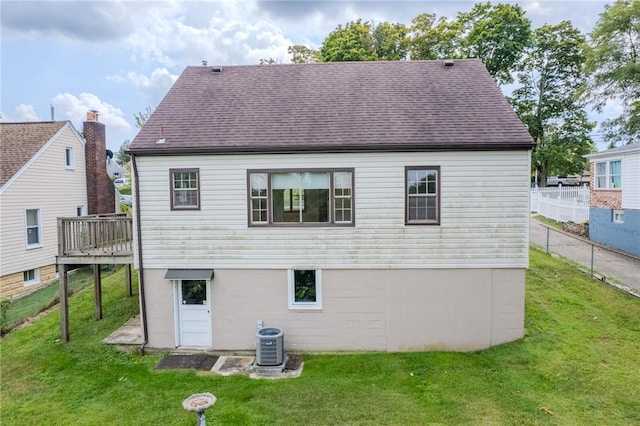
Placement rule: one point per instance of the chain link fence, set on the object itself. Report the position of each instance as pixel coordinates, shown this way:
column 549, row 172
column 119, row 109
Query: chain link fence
column 612, row 266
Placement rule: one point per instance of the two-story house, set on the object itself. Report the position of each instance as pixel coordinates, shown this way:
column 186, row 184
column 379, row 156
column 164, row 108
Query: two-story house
column 357, row 206
column 47, row 170
column 614, row 197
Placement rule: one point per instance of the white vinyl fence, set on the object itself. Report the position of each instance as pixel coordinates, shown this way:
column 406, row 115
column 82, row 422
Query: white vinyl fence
column 564, row 203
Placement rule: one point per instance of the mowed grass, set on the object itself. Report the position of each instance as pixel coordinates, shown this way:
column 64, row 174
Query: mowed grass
column 41, row 299
column 577, row 365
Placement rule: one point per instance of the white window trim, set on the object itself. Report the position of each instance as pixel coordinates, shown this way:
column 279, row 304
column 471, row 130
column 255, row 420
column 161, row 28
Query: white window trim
column 71, row 165
column 26, row 226
column 317, row 305
column 36, row 277
column 607, row 174
column 617, row 216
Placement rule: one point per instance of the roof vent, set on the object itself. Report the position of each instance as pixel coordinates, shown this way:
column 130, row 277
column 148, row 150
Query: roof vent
column 204, row 63
column 448, row 63
column 216, row 69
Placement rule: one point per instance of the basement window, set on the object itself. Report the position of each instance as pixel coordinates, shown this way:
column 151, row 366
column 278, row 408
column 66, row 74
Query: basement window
column 305, row 289
column 618, row 216
column 31, row 277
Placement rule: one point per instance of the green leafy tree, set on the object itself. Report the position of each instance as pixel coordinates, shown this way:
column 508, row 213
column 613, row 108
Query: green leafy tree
column 613, row 64
column 142, row 117
column 550, row 75
column 391, row 41
column 354, row 42
column 123, row 157
column 302, row 54
column 434, row 39
column 498, row 34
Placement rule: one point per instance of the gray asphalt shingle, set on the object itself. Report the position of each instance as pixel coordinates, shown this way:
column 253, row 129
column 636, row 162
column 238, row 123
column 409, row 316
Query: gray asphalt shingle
column 334, row 106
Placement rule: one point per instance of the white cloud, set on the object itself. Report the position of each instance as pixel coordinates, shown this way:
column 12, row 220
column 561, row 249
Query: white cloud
column 171, row 37
column 74, row 108
column 24, row 113
column 154, row 86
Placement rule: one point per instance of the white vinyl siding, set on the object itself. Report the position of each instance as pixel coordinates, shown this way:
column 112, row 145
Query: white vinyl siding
column 631, row 181
column 484, row 214
column 44, row 184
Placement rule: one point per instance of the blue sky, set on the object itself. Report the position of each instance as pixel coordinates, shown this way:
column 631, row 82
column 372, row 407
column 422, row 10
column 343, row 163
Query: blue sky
column 118, row 57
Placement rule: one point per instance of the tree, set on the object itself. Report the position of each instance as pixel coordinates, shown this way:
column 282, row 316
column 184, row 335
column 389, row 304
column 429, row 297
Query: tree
column 550, row 75
column 302, row 54
column 123, row 158
column 354, row 42
column 270, row 61
column 391, row 41
column 613, row 65
column 434, row 40
column 498, row 35
column 142, row 117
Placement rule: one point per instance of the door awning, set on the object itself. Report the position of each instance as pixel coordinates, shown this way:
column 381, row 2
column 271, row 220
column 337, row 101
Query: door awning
column 189, row 274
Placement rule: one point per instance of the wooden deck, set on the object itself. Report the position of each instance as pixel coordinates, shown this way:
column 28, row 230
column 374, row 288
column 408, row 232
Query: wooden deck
column 92, row 240
column 102, row 239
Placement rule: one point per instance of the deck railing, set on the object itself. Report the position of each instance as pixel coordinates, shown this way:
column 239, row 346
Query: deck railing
column 102, row 235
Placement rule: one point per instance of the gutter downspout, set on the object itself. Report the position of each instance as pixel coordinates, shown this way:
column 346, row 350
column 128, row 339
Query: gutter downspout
column 143, row 302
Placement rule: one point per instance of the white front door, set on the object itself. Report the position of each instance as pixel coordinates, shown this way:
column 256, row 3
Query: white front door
column 194, row 313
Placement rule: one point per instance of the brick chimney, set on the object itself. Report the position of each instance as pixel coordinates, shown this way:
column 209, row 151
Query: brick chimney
column 101, row 195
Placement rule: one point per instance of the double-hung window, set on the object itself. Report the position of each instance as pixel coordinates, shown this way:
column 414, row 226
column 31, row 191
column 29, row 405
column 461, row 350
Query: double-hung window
column 422, row 195
column 34, row 231
column 292, row 197
column 609, row 175
column 185, row 189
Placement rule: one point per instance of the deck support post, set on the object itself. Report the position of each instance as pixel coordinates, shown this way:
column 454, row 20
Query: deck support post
column 64, row 303
column 97, row 290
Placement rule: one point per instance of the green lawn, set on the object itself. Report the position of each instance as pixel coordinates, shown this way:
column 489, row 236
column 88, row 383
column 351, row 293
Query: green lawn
column 577, row 365
column 20, row 309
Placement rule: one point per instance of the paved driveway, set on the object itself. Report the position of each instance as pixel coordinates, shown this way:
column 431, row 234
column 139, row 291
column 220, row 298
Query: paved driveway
column 615, row 267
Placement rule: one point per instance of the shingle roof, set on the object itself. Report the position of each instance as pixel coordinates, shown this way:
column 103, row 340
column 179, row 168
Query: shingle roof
column 333, row 106
column 21, row 141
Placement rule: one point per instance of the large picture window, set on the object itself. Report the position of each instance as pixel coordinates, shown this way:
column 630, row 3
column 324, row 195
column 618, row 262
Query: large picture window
column 185, row 189
column 422, row 195
column 609, row 175
column 313, row 197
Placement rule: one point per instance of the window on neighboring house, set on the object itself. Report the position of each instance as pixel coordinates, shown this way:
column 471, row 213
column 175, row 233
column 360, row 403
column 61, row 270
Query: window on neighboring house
column 69, row 160
column 422, row 195
column 618, row 216
column 32, row 276
column 318, row 197
column 609, row 175
column 185, row 189
column 305, row 289
column 34, row 233
column 80, row 210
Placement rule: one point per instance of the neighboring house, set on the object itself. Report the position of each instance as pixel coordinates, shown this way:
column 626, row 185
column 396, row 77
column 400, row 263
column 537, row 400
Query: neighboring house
column 358, row 206
column 614, row 216
column 114, row 170
column 47, row 170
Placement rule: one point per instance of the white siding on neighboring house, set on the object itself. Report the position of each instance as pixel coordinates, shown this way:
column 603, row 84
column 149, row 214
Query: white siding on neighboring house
column 484, row 214
column 48, row 185
column 631, row 181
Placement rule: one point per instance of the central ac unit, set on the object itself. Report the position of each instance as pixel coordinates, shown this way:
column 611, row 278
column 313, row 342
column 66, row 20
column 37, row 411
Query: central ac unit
column 269, row 346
